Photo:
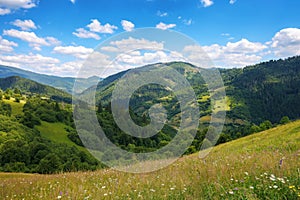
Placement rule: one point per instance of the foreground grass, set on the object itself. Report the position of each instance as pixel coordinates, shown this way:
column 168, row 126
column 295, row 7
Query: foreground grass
column 261, row 166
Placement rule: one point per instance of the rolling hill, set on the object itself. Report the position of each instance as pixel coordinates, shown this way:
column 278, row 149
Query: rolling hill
column 63, row 83
column 32, row 87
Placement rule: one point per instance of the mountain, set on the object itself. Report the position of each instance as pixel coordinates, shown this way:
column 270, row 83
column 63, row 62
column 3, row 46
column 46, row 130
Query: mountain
column 63, row 83
column 265, row 91
column 32, row 87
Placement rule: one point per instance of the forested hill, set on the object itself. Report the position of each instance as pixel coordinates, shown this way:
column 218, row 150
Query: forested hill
column 266, row 91
column 32, row 87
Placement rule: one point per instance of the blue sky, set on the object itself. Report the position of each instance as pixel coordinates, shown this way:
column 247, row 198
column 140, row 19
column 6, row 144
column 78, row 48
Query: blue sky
column 55, row 36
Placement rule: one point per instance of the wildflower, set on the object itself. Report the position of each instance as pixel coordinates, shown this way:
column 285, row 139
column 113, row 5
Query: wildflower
column 280, row 162
column 152, row 190
column 251, row 187
column 58, row 197
column 172, row 188
column 231, row 179
column 291, row 186
column 230, row 192
column 236, row 188
column 275, row 186
column 272, row 179
column 246, row 173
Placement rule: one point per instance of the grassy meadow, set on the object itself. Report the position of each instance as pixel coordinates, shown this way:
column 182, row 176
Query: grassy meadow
column 265, row 165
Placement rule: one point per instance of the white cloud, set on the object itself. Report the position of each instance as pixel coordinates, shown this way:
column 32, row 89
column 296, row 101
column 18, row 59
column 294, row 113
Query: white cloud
column 25, row 25
column 53, row 41
column 164, row 26
column 237, row 54
column 244, row 46
column 76, row 51
column 207, row 3
column 82, row 33
column 232, row 1
column 161, row 14
column 127, row 25
column 30, row 37
column 4, row 11
column 73, row 1
column 6, row 6
column 18, row 3
column 286, row 42
column 35, row 62
column 130, row 44
column 7, row 46
column 96, row 26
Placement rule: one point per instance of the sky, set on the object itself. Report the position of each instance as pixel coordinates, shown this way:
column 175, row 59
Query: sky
column 57, row 36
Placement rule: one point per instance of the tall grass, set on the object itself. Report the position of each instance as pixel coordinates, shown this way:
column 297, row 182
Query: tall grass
column 261, row 166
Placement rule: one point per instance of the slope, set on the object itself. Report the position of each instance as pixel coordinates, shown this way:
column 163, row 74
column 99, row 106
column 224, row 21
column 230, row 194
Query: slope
column 261, row 166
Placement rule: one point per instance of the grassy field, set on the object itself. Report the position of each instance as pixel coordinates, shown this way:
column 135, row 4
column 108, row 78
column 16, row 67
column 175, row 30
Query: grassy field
column 265, row 165
column 17, row 108
column 55, row 132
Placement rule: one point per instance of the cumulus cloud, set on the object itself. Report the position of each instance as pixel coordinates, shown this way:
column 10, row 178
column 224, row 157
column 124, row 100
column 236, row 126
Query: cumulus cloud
column 207, row 3
column 4, row 11
column 18, row 3
column 233, row 54
column 76, row 51
column 7, row 5
column 30, row 37
column 164, row 26
column 35, row 62
column 127, row 25
column 97, row 27
column 286, row 42
column 82, row 33
column 25, row 25
column 130, row 44
column 7, row 46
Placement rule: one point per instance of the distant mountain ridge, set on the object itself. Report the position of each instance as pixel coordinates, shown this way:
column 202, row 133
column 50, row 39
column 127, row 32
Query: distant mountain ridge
column 63, row 83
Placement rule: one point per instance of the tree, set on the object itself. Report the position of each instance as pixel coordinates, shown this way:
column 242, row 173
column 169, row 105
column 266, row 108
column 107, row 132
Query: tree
column 284, row 120
column 50, row 164
column 265, row 125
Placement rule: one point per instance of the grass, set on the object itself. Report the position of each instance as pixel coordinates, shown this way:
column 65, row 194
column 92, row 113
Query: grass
column 260, row 166
column 55, row 132
column 17, row 108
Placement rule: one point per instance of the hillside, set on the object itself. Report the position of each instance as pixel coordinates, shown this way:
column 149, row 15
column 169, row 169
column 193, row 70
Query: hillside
column 32, row 87
column 266, row 91
column 63, row 83
column 261, row 166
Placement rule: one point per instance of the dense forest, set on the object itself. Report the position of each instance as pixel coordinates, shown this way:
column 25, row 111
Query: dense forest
column 38, row 134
